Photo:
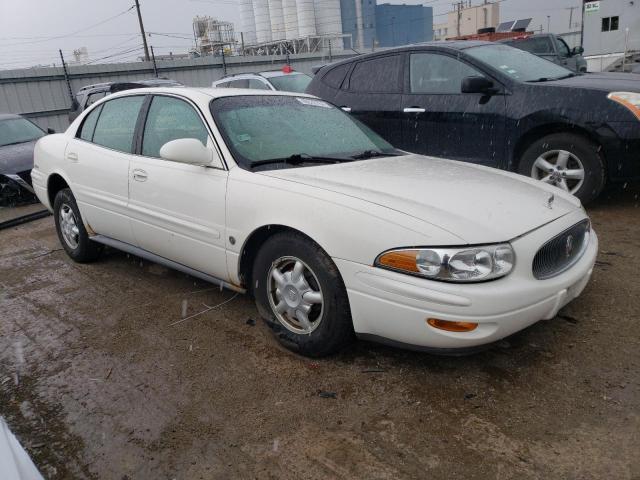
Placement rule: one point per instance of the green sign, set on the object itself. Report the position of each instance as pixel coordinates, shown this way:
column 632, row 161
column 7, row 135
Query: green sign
column 591, row 7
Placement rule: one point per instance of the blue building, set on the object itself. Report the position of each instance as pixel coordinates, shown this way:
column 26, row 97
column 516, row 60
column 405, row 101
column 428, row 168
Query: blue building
column 403, row 24
column 386, row 25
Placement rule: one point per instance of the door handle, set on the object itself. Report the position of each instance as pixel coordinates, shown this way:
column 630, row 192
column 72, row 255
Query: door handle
column 414, row 110
column 139, row 175
column 346, row 109
column 72, row 157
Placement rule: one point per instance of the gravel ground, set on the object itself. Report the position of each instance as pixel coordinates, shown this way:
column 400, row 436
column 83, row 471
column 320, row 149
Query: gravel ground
column 97, row 380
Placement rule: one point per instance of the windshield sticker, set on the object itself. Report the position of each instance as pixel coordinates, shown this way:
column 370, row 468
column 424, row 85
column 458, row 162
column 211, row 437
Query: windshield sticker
column 504, row 67
column 313, row 102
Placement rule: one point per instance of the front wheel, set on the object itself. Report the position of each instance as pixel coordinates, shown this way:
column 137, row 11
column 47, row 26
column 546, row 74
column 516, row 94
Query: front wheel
column 300, row 294
column 567, row 161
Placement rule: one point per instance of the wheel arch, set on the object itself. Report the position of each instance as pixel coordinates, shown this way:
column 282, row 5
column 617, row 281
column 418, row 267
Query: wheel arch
column 252, row 245
column 55, row 183
column 539, row 131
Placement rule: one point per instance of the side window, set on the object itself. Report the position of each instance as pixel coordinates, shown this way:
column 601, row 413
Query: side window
column 336, row 75
column 223, row 85
column 94, row 97
column 170, row 119
column 239, row 84
column 563, row 48
column 117, row 123
column 380, row 75
column 610, row 23
column 258, row 84
column 89, row 125
column 438, row 74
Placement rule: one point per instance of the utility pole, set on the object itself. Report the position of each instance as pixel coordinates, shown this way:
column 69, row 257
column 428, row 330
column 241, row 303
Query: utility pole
column 571, row 9
column 548, row 22
column 66, row 77
column 582, row 25
column 153, row 59
column 144, row 37
column 242, row 42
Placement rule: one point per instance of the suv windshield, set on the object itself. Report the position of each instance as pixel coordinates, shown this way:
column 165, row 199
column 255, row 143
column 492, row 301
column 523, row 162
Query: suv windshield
column 269, row 130
column 18, row 130
column 296, row 82
column 517, row 63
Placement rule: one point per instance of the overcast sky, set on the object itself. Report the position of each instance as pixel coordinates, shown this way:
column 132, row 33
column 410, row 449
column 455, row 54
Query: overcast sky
column 32, row 31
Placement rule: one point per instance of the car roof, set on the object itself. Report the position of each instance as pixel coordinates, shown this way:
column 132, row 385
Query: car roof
column 204, row 93
column 108, row 86
column 7, row 116
column 263, row 74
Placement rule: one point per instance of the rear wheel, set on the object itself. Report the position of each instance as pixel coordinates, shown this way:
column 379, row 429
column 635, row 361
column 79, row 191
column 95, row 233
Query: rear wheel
column 567, row 161
column 71, row 232
column 300, row 294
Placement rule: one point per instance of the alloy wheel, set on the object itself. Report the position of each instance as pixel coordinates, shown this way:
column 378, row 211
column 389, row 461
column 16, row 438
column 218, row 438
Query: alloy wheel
column 69, row 226
column 560, row 168
column 295, row 295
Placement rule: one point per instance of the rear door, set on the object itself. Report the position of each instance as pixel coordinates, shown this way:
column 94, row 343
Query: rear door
column 373, row 94
column 178, row 210
column 98, row 164
column 441, row 121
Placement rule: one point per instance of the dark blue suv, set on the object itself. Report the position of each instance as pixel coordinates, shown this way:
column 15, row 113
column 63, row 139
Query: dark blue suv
column 495, row 105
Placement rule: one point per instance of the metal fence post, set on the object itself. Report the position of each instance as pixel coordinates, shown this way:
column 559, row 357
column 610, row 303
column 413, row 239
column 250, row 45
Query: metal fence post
column 66, row 78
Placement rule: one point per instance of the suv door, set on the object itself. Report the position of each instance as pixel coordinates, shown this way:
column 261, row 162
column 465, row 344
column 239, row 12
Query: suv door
column 564, row 55
column 177, row 209
column 373, row 94
column 98, row 164
column 441, row 121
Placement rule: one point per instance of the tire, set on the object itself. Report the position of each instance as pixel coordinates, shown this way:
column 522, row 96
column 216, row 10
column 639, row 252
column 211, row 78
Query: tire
column 580, row 153
column 71, row 232
column 328, row 327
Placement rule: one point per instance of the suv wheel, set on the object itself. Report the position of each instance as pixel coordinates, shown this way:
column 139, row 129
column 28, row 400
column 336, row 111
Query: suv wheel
column 567, row 161
column 300, row 294
column 71, row 232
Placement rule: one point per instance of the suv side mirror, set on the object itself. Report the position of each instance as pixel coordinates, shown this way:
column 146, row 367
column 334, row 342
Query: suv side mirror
column 187, row 150
column 50, row 131
column 477, row 84
column 577, row 51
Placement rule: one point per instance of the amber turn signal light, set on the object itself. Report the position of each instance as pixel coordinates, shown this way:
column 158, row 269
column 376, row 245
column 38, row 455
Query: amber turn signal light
column 451, row 326
column 400, row 260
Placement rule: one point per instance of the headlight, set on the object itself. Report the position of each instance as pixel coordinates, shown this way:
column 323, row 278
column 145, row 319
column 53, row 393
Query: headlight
column 464, row 264
column 630, row 100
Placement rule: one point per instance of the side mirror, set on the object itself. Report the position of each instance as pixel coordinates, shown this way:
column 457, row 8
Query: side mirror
column 50, row 131
column 187, row 150
column 577, row 51
column 477, row 85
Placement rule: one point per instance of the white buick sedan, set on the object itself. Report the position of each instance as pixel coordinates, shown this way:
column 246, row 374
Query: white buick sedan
column 334, row 232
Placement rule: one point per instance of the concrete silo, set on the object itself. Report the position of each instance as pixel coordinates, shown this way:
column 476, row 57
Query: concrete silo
column 263, row 20
column 277, row 19
column 306, row 18
column 290, row 13
column 328, row 16
column 248, row 20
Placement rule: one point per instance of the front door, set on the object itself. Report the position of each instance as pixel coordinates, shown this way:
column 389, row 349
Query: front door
column 98, row 162
column 373, row 95
column 177, row 209
column 441, row 121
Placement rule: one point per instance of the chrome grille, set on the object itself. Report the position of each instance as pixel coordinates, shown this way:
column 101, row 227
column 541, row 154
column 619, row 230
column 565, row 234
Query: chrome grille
column 562, row 251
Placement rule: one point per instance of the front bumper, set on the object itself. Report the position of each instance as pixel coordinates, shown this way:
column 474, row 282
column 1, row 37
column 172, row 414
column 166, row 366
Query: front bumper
column 621, row 147
column 394, row 307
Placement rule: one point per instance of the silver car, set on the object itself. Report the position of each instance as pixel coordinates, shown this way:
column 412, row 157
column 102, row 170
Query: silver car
column 285, row 80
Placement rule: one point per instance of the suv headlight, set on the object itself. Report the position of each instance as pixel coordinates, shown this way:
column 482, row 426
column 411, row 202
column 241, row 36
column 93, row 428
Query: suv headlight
column 630, row 100
column 461, row 264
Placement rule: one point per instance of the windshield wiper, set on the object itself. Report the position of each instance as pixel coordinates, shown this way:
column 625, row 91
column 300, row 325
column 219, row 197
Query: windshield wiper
column 366, row 154
column 298, row 158
column 547, row 79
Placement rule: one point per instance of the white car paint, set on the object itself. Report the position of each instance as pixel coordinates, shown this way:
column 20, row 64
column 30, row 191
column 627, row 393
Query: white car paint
column 201, row 218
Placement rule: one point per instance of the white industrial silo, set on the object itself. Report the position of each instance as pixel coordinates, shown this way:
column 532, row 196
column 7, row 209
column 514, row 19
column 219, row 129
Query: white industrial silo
column 277, row 19
column 290, row 13
column 248, row 22
column 263, row 20
column 328, row 16
column 306, row 18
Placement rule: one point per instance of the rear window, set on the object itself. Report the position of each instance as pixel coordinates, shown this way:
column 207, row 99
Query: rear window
column 335, row 76
column 379, row 75
column 89, row 125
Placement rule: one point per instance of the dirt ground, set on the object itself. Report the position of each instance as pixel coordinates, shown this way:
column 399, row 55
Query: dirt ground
column 98, row 380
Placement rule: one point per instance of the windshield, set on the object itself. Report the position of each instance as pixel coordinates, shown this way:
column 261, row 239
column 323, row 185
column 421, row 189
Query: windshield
column 257, row 128
column 517, row 63
column 18, row 130
column 296, row 83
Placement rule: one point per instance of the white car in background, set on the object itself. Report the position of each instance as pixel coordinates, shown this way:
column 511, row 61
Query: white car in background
column 331, row 229
column 284, row 80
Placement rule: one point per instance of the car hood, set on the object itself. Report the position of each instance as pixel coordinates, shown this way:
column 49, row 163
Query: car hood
column 16, row 158
column 605, row 81
column 476, row 204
